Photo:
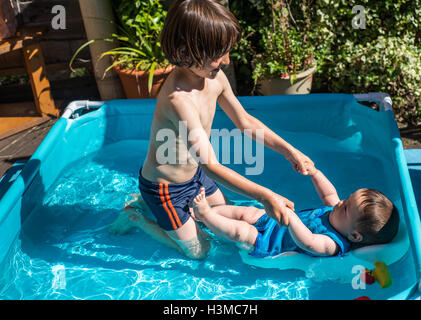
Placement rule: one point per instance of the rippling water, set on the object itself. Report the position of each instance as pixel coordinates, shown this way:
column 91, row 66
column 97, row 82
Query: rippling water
column 65, row 251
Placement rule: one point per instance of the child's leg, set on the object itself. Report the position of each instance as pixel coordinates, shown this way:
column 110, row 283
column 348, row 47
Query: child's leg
column 247, row 214
column 131, row 218
column 151, row 228
column 232, row 229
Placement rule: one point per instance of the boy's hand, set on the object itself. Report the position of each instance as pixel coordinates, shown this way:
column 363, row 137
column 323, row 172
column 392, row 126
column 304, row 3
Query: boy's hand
column 312, row 171
column 300, row 162
column 276, row 207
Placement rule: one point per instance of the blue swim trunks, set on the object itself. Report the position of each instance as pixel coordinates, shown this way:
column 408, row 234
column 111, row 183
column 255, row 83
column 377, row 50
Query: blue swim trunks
column 170, row 202
column 273, row 239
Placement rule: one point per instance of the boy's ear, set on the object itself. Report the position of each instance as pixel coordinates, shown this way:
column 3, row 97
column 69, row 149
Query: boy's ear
column 355, row 236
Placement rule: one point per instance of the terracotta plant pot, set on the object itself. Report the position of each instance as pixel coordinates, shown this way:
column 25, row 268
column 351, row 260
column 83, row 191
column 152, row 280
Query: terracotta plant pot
column 274, row 86
column 135, row 83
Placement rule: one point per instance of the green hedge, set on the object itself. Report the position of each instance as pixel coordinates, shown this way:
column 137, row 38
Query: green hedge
column 385, row 56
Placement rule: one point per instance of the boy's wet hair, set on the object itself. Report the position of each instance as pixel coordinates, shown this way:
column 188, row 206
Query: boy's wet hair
column 196, row 32
column 379, row 221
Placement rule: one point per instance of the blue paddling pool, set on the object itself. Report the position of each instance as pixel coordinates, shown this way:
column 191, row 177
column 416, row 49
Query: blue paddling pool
column 54, row 218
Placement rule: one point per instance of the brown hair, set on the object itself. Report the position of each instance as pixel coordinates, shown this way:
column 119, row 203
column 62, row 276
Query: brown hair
column 379, row 221
column 198, row 31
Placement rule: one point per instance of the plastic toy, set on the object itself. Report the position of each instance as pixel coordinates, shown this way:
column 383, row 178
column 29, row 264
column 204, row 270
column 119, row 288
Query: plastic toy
column 380, row 274
column 367, row 277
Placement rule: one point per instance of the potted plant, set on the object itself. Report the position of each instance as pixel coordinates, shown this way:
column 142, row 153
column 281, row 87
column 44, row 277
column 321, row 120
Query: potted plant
column 282, row 59
column 138, row 59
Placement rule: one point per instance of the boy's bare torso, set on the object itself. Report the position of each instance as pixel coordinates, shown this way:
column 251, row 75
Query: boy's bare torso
column 202, row 97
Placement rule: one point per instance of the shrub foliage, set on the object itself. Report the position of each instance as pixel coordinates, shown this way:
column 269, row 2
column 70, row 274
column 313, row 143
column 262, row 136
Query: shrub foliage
column 384, row 56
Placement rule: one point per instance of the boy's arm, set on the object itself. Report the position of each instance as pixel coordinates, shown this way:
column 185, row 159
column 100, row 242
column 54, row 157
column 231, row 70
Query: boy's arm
column 249, row 125
column 318, row 244
column 324, row 188
column 200, row 147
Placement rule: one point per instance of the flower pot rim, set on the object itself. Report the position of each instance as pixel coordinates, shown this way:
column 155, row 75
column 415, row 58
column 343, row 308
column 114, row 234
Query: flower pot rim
column 300, row 75
column 159, row 71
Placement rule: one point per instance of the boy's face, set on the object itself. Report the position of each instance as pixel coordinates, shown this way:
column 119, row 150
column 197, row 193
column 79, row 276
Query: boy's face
column 211, row 68
column 345, row 215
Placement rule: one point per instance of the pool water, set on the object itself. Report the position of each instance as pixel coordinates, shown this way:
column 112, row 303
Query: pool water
column 65, row 251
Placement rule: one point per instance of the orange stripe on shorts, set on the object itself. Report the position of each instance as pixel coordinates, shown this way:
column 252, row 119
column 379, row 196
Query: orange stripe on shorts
column 167, row 194
column 164, row 204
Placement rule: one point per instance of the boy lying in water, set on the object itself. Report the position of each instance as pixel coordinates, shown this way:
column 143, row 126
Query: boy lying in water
column 367, row 217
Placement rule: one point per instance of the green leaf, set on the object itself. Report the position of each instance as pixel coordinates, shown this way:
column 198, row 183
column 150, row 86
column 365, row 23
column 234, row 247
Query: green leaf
column 78, row 51
column 150, row 78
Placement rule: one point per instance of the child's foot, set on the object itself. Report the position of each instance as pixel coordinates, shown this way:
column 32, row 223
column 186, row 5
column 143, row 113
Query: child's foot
column 200, row 205
column 130, row 217
column 124, row 222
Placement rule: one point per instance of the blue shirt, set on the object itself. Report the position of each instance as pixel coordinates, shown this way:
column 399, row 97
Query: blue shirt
column 273, row 239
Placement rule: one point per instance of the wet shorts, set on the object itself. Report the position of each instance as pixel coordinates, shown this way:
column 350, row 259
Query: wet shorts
column 170, row 202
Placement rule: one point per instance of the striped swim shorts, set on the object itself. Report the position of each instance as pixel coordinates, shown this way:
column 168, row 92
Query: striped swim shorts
column 170, row 202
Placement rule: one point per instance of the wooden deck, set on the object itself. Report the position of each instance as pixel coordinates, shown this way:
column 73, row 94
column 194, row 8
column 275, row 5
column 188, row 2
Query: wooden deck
column 22, row 145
